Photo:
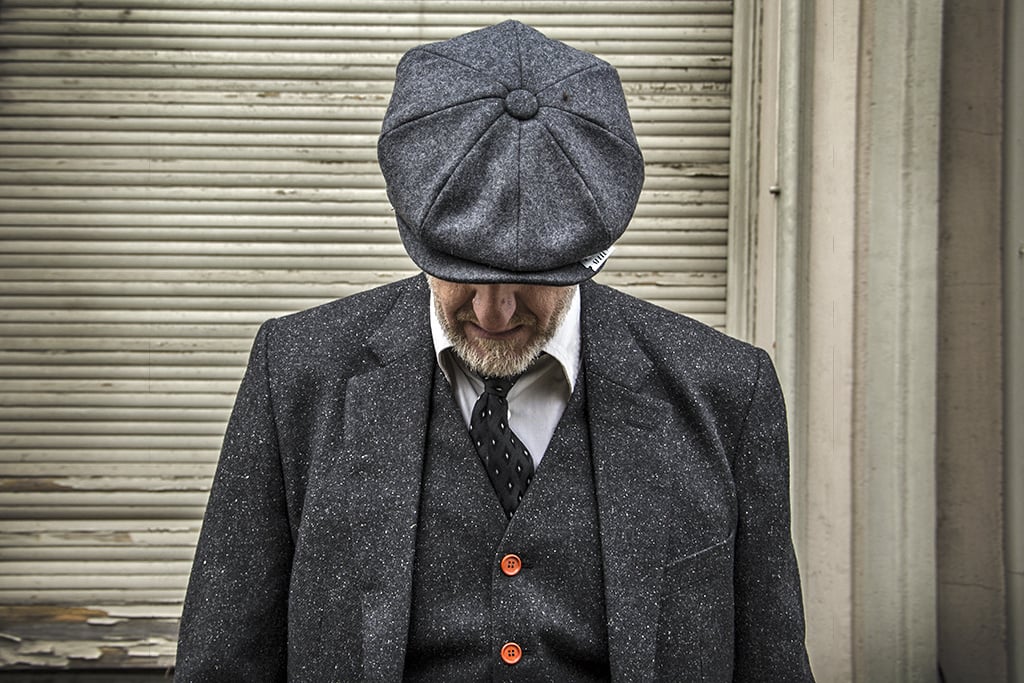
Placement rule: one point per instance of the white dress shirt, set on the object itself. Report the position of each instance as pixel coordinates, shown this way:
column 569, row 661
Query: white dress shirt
column 538, row 399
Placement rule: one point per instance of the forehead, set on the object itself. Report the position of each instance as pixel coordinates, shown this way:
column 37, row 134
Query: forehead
column 448, row 289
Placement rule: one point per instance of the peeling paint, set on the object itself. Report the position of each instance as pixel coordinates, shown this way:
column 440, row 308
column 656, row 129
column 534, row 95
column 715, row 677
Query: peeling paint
column 33, row 484
column 10, row 614
column 143, row 652
column 115, row 537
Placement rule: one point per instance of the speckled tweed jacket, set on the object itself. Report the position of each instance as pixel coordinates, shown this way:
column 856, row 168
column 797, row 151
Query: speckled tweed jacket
column 304, row 566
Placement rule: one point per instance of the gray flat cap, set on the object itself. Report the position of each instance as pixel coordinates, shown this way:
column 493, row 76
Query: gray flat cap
column 509, row 157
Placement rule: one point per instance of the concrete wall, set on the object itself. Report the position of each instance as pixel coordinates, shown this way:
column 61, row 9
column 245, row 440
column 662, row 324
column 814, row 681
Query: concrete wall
column 887, row 326
column 969, row 448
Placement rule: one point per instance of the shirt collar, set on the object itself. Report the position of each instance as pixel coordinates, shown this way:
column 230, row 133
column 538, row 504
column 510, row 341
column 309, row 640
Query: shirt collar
column 564, row 346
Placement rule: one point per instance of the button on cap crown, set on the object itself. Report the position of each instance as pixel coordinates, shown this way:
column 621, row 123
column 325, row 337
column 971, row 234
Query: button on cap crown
column 521, row 104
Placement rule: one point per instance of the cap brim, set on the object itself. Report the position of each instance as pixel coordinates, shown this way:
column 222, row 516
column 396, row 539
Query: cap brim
column 453, row 269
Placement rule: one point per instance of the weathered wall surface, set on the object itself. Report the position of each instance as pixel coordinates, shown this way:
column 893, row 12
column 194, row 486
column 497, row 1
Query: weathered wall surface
column 969, row 443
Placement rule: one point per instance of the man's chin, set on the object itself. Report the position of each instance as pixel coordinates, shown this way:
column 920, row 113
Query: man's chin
column 497, row 359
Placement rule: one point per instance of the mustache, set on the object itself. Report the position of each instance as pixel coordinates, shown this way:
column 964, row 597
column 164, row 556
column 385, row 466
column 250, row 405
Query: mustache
column 525, row 319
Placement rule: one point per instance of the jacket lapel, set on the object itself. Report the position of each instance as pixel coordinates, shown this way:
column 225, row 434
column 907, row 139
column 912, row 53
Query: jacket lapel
column 629, row 445
column 385, row 435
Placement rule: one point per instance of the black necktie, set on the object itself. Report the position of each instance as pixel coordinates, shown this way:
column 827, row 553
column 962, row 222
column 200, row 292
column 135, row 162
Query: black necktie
column 508, row 463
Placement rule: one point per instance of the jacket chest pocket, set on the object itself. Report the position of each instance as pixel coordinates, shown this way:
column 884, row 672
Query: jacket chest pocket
column 695, row 617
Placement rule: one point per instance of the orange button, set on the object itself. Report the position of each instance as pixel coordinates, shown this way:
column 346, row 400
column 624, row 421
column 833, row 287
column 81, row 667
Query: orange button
column 511, row 564
column 511, row 653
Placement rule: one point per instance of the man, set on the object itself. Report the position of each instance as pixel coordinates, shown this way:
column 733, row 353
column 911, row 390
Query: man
column 500, row 470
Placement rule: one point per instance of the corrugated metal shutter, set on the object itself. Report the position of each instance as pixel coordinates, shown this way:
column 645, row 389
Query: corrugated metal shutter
column 175, row 172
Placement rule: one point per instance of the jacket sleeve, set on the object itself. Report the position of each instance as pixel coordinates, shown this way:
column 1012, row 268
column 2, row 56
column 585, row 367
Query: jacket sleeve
column 234, row 623
column 769, row 618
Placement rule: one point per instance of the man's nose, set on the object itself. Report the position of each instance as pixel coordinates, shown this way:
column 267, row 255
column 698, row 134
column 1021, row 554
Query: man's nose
column 494, row 306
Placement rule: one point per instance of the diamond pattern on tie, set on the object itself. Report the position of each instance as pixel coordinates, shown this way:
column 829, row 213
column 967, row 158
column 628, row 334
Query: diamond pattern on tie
column 508, row 463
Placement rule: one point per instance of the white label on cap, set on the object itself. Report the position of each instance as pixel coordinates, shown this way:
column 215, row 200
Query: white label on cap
column 595, row 261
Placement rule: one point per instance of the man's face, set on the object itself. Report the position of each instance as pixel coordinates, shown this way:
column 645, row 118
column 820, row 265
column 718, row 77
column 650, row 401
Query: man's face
column 499, row 330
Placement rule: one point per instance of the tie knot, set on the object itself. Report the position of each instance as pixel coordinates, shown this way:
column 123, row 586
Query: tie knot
column 498, row 386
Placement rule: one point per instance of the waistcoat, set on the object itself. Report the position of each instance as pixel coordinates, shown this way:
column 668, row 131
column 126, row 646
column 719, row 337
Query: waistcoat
column 464, row 607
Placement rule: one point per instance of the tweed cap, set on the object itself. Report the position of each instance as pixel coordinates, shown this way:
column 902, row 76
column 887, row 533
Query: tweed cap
column 509, row 157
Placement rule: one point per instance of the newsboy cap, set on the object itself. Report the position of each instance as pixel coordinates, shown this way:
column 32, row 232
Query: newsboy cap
column 509, row 157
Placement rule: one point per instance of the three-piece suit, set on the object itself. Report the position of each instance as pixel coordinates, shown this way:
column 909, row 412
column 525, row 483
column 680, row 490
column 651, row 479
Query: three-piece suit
column 351, row 532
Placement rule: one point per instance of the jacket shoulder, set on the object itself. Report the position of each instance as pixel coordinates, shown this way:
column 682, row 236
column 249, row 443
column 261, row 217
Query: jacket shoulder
column 339, row 330
column 694, row 367
column 668, row 335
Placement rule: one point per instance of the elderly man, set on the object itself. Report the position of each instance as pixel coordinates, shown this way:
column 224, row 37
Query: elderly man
column 500, row 470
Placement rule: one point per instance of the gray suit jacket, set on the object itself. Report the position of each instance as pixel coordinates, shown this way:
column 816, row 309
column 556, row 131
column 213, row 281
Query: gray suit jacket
column 304, row 565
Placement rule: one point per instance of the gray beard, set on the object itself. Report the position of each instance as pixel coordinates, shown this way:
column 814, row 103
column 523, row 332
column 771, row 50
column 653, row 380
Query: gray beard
column 499, row 358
